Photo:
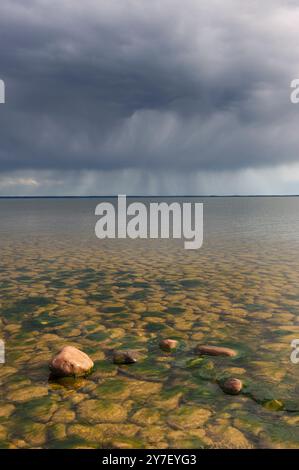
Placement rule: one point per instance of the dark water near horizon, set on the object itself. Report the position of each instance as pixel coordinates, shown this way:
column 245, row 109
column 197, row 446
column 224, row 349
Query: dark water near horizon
column 60, row 285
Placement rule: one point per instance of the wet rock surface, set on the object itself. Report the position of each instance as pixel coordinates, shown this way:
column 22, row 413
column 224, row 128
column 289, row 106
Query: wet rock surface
column 70, row 361
column 209, row 350
column 168, row 344
column 125, row 356
column 231, row 386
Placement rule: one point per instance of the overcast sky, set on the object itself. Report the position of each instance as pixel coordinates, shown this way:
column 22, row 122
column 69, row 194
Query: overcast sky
column 149, row 97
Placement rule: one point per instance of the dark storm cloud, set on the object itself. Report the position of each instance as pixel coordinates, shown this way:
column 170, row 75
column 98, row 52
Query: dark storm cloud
column 129, row 84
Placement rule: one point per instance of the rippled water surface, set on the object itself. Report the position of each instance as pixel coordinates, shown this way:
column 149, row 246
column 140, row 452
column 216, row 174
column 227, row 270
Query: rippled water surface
column 60, row 285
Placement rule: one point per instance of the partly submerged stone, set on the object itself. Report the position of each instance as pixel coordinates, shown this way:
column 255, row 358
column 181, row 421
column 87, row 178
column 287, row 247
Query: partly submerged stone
column 168, row 344
column 232, row 386
column 215, row 351
column 70, row 361
column 124, row 356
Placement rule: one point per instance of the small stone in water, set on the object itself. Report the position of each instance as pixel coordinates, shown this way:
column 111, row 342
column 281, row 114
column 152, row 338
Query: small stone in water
column 232, row 386
column 168, row 344
column 215, row 351
column 124, row 357
column 70, row 361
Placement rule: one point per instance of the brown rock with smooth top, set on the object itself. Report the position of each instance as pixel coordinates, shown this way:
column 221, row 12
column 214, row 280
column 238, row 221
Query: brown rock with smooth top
column 215, row 351
column 70, row 361
column 168, row 344
column 232, row 386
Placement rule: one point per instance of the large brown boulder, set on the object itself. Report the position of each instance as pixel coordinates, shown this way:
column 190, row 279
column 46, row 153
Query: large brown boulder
column 70, row 361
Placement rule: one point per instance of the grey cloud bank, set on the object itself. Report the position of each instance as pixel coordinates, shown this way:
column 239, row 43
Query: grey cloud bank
column 146, row 97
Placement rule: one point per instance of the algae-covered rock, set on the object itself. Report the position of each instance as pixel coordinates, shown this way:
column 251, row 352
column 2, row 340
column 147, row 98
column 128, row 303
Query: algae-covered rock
column 188, row 417
column 183, row 440
column 95, row 411
column 146, row 416
column 249, row 424
column 6, row 410
column 33, row 433
column 167, row 399
column 27, row 393
column 154, row 435
column 3, row 432
column 227, row 437
column 105, row 369
column 63, row 415
column 273, row 405
column 141, row 389
column 39, row 409
column 148, row 370
column 88, row 433
column 113, row 388
column 103, row 432
column 125, row 443
column 57, row 432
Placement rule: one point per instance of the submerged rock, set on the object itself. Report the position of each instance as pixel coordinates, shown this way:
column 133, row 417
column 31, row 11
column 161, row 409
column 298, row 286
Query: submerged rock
column 105, row 411
column 228, row 437
column 27, row 393
column 70, row 361
column 188, row 417
column 125, row 356
column 232, row 386
column 6, row 410
column 274, row 405
column 146, row 416
column 215, row 351
column 168, row 344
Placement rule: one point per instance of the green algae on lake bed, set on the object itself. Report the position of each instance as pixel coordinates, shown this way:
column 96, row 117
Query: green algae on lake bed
column 130, row 295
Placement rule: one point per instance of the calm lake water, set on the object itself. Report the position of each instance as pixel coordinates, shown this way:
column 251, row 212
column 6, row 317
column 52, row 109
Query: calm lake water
column 61, row 285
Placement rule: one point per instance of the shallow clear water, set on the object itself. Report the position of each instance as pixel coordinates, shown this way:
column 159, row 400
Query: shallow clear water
column 60, row 285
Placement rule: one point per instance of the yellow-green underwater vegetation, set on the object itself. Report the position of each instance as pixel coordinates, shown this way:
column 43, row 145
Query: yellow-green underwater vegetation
column 61, row 286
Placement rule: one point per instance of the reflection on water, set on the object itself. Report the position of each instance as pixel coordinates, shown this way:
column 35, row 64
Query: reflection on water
column 60, row 285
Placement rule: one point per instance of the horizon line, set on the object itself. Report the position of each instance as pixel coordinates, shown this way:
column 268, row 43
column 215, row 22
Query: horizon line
column 147, row 196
